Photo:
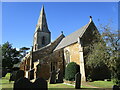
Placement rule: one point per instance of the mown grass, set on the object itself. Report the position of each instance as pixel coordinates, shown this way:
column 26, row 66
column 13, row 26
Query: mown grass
column 59, row 86
column 4, row 83
column 102, row 84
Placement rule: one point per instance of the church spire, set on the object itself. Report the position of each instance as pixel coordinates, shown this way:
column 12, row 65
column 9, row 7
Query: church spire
column 42, row 22
column 42, row 35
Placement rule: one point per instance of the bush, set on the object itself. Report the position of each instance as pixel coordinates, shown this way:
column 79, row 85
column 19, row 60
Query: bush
column 70, row 71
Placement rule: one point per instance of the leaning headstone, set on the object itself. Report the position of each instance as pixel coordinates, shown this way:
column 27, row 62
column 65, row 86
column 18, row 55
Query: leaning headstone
column 22, row 83
column 53, row 77
column 19, row 74
column 77, row 81
column 40, row 83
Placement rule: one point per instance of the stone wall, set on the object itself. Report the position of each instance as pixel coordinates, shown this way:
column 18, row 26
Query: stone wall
column 76, row 55
column 35, row 68
column 74, row 52
column 44, row 68
column 43, row 71
column 25, row 64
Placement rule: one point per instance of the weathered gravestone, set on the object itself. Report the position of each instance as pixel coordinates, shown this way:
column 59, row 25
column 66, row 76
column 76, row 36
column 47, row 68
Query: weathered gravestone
column 19, row 74
column 115, row 87
column 53, row 77
column 23, row 83
column 40, row 83
column 78, row 80
column 59, row 77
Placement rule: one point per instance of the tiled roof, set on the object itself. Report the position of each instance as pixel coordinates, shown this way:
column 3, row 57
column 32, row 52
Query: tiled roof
column 72, row 38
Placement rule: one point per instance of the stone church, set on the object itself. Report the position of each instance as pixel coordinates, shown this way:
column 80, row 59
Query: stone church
column 47, row 56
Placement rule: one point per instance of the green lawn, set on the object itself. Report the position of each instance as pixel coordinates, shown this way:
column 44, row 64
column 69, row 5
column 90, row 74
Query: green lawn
column 59, row 86
column 4, row 83
column 102, row 84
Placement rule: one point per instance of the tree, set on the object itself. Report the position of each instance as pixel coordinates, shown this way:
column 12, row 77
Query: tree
column 96, row 61
column 24, row 50
column 71, row 70
column 111, row 37
column 10, row 55
column 105, row 52
column 95, row 55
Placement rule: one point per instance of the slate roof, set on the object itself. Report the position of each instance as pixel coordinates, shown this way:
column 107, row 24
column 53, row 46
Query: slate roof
column 72, row 38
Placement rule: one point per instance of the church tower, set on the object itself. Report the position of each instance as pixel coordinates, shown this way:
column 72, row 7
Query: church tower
column 42, row 35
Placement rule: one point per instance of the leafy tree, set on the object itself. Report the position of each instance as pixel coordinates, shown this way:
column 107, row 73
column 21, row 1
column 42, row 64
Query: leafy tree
column 95, row 55
column 10, row 55
column 96, row 61
column 105, row 52
column 70, row 71
column 24, row 50
column 111, row 37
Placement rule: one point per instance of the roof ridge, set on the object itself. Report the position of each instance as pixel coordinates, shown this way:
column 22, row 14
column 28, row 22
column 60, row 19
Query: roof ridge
column 73, row 37
column 86, row 26
column 58, row 37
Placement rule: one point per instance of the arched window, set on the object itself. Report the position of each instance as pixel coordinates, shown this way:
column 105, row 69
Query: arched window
column 43, row 40
column 67, row 54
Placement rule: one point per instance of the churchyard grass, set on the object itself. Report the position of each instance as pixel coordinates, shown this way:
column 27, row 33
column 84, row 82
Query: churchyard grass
column 4, row 83
column 102, row 84
column 59, row 86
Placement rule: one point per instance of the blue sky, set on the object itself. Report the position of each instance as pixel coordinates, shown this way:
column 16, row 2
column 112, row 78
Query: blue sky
column 19, row 19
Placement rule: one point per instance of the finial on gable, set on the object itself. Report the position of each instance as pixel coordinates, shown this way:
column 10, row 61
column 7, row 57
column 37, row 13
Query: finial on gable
column 90, row 18
column 62, row 32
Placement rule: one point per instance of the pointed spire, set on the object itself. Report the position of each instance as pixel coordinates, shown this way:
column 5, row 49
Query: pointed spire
column 42, row 22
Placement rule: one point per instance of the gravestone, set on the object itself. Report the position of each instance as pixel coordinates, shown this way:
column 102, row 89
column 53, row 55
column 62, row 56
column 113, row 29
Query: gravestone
column 78, row 80
column 115, row 87
column 53, row 77
column 19, row 74
column 22, row 83
column 40, row 83
column 59, row 77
